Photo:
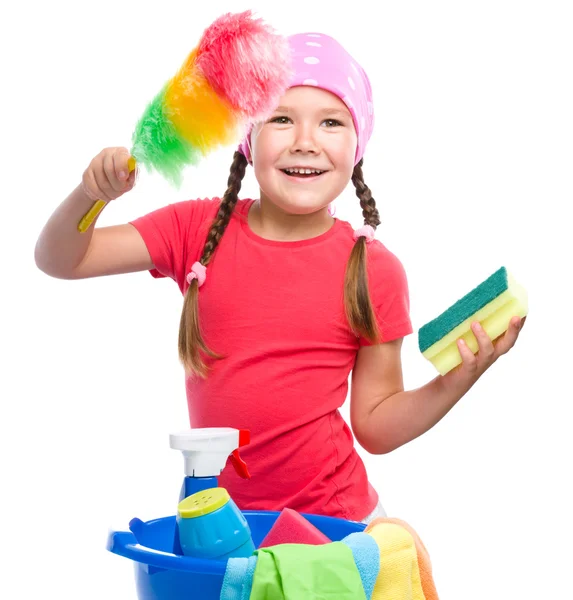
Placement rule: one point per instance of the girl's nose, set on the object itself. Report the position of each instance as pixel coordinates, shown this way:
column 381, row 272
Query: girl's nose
column 304, row 140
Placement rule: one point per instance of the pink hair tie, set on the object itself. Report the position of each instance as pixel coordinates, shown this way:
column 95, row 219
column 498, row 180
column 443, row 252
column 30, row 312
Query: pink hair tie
column 198, row 272
column 366, row 231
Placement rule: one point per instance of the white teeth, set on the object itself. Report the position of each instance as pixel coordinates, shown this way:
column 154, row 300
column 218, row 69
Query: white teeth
column 304, row 171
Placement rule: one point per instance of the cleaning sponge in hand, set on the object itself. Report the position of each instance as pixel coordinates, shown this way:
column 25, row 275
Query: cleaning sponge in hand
column 493, row 303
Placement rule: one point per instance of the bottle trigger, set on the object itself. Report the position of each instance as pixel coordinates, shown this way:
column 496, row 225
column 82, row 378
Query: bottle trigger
column 240, row 465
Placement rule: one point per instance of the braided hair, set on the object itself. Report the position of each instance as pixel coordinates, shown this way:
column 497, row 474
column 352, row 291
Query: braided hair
column 357, row 303
column 191, row 342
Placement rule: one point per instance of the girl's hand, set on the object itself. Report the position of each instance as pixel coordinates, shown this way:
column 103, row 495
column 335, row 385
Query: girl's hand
column 474, row 366
column 108, row 177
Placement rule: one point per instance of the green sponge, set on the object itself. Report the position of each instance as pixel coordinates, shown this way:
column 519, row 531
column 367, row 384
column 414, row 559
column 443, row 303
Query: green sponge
column 493, row 303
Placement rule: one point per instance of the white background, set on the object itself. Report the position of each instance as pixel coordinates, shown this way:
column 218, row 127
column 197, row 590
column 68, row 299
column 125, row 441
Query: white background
column 470, row 164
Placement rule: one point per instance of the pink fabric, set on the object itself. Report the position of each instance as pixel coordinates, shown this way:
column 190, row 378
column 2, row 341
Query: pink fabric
column 367, row 231
column 321, row 61
column 274, row 311
column 199, row 272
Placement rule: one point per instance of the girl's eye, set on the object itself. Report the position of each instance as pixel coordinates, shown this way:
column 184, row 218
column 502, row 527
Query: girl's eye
column 280, row 120
column 332, row 122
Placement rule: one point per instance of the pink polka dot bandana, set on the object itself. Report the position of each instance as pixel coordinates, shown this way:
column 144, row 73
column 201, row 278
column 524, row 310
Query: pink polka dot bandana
column 321, row 61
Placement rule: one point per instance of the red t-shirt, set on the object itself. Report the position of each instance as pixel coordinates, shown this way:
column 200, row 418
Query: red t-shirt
column 275, row 311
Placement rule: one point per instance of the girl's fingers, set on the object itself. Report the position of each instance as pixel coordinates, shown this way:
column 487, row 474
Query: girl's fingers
column 109, row 167
column 105, row 191
column 505, row 342
column 108, row 176
column 121, row 163
column 131, row 178
column 473, row 365
column 486, row 350
column 469, row 360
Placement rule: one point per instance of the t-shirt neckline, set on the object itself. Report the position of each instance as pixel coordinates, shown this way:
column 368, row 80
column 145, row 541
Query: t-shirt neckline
column 285, row 244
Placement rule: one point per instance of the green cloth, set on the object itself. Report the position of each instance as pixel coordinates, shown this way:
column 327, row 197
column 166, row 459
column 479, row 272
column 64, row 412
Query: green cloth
column 306, row 572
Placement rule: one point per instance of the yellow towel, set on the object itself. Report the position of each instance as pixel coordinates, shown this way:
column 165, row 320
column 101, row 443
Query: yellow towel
column 399, row 576
column 405, row 567
column 424, row 563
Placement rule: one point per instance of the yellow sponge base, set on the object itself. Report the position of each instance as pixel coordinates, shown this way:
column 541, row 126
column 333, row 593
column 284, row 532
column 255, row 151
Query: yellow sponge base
column 494, row 318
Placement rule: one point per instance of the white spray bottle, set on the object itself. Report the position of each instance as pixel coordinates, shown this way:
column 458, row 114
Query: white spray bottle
column 205, row 453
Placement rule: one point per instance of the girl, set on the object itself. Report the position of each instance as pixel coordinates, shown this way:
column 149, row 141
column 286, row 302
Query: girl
column 282, row 301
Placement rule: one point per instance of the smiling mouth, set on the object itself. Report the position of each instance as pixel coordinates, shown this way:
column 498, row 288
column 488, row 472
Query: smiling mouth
column 303, row 173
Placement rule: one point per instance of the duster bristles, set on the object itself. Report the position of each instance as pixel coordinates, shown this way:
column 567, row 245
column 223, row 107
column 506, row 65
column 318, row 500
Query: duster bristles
column 203, row 118
column 158, row 145
column 236, row 74
column 246, row 62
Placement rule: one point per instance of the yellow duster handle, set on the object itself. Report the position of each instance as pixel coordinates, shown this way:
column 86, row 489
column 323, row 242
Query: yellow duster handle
column 98, row 205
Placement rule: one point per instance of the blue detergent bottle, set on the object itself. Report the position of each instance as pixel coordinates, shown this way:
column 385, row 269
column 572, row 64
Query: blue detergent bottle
column 205, row 453
column 211, row 526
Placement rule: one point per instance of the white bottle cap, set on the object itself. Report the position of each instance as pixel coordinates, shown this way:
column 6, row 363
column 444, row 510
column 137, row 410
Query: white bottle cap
column 206, row 450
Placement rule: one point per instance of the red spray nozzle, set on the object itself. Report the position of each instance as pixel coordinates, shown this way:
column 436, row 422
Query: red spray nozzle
column 238, row 463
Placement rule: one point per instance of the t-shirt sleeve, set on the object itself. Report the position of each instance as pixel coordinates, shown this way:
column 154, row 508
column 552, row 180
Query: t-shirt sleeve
column 173, row 232
column 388, row 285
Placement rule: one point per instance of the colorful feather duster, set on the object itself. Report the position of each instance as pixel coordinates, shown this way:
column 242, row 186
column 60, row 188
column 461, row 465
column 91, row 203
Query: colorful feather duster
column 233, row 77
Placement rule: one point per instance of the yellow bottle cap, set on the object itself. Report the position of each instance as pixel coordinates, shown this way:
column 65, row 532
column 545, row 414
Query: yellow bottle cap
column 203, row 503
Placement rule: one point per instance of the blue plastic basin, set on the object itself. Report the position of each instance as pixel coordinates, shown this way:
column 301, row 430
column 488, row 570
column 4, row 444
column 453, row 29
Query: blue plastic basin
column 162, row 575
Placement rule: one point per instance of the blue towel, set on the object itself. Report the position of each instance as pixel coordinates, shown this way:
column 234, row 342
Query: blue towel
column 249, row 573
column 366, row 555
column 238, row 578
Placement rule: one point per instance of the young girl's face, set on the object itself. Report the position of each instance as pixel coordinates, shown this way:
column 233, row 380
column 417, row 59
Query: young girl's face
column 311, row 129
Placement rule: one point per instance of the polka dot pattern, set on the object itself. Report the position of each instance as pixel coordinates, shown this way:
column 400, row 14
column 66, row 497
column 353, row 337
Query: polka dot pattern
column 320, row 61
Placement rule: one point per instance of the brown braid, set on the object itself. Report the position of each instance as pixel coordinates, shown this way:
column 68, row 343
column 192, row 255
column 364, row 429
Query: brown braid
column 191, row 342
column 369, row 210
column 357, row 302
